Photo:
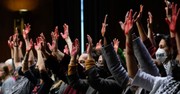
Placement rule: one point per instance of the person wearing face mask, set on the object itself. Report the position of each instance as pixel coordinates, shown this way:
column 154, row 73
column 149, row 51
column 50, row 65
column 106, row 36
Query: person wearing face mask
column 164, row 54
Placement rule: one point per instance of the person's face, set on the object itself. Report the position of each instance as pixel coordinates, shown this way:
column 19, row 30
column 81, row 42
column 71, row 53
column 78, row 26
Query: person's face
column 163, row 45
column 82, row 59
column 100, row 61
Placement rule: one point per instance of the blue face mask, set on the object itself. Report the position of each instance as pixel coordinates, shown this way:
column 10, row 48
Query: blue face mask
column 161, row 55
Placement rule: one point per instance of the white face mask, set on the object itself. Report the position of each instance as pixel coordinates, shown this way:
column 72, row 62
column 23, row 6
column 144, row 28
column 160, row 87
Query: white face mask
column 161, row 55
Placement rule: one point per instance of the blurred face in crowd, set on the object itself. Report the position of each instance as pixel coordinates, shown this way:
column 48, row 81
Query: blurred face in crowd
column 2, row 72
column 9, row 64
column 100, row 61
column 82, row 59
column 163, row 45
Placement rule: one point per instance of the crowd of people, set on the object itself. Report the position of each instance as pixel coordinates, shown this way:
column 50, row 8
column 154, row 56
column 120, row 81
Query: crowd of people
column 146, row 66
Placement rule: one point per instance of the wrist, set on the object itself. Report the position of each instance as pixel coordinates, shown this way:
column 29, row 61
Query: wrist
column 89, row 57
column 173, row 31
column 15, row 45
column 38, row 51
column 73, row 58
column 137, row 22
column 67, row 39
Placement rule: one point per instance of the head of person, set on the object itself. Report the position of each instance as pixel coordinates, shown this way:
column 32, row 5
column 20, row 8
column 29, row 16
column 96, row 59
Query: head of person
column 4, row 71
column 9, row 63
column 100, row 62
column 163, row 52
column 82, row 58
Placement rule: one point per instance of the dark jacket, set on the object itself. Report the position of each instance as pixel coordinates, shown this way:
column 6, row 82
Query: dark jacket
column 114, row 65
column 95, row 84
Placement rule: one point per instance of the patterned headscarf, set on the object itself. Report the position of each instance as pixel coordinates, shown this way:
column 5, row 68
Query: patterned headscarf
column 169, row 86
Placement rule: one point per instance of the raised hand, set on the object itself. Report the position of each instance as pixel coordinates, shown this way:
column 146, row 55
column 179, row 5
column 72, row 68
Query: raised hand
column 172, row 22
column 138, row 18
column 10, row 42
column 149, row 20
column 116, row 44
column 90, row 45
column 128, row 24
column 26, row 31
column 121, row 23
column 66, row 31
column 52, row 47
column 66, row 50
column 75, row 48
column 103, row 29
column 30, row 46
column 15, row 38
column 98, row 45
column 43, row 39
column 38, row 44
column 168, row 6
column 55, row 34
column 20, row 44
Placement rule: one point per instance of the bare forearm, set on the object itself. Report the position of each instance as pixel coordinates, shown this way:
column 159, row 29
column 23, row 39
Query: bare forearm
column 20, row 53
column 58, row 54
column 141, row 31
column 130, row 58
column 12, row 53
column 69, row 43
column 151, row 36
column 172, row 35
column 40, row 61
column 31, row 56
column 27, row 42
column 16, row 55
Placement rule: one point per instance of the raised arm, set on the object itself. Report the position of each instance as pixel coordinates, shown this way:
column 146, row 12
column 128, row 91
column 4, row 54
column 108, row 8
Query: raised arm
column 66, row 37
column 17, row 60
column 98, row 47
column 139, row 25
column 73, row 62
column 25, row 64
column 169, row 18
column 10, row 44
column 20, row 50
column 54, row 47
column 116, row 44
column 113, row 63
column 73, row 77
column 172, row 25
column 150, row 29
column 130, row 58
column 27, row 42
column 95, row 80
column 46, row 80
column 90, row 58
column 103, row 30
column 40, row 61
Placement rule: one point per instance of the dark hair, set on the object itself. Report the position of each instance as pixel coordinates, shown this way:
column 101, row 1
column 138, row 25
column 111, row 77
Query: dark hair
column 167, row 39
column 6, row 70
column 173, row 51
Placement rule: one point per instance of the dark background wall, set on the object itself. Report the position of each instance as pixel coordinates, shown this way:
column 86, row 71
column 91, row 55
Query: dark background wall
column 51, row 13
column 41, row 20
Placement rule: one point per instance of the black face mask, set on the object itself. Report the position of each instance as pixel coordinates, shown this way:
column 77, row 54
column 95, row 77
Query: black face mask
column 176, row 72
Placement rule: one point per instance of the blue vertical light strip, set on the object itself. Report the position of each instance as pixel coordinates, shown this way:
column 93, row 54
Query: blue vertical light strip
column 82, row 26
